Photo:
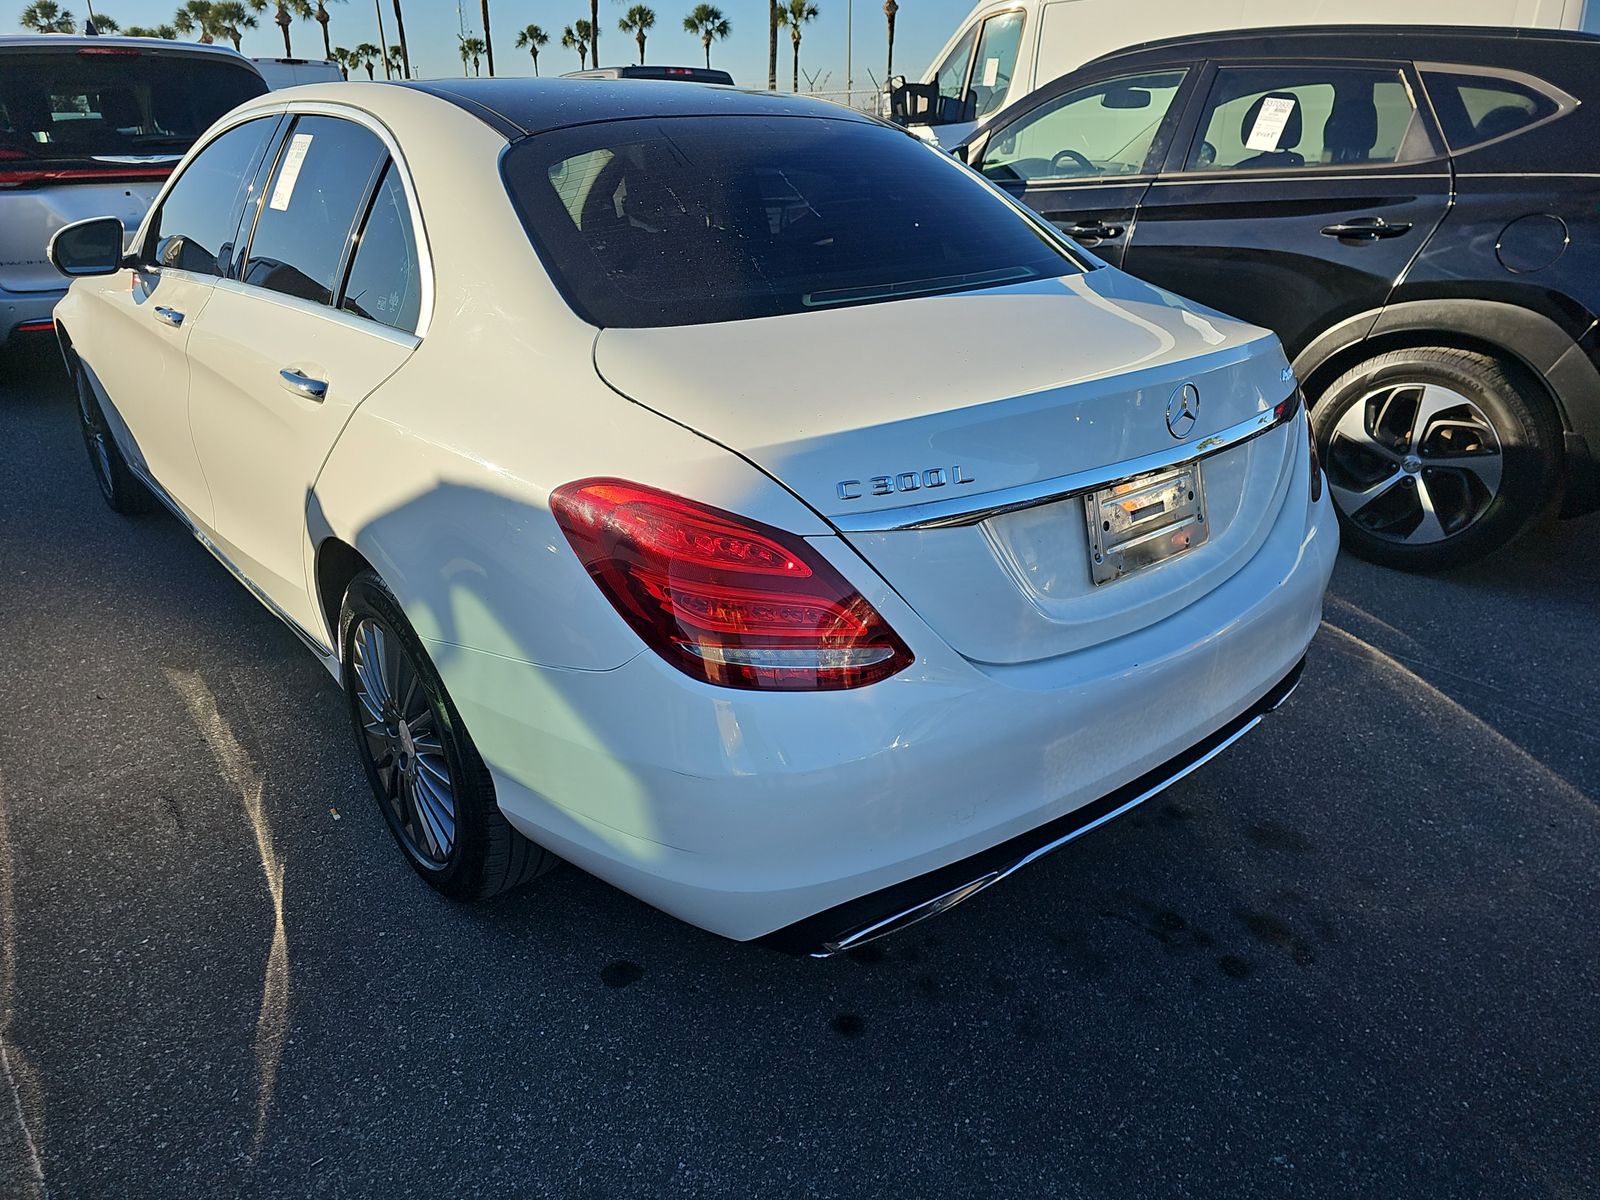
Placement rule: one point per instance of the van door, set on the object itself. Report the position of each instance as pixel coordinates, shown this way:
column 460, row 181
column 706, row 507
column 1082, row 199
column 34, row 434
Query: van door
column 976, row 75
column 1296, row 194
column 1084, row 154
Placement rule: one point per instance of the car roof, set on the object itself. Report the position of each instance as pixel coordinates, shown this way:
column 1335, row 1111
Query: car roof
column 63, row 42
column 520, row 107
column 1364, row 41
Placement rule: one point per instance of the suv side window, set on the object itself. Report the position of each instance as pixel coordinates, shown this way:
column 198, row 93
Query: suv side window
column 195, row 226
column 1104, row 129
column 311, row 203
column 385, row 281
column 1474, row 109
column 1287, row 118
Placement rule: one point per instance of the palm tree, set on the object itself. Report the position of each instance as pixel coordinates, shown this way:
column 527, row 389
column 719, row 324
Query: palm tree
column 488, row 39
column 321, row 15
column 231, row 18
column 345, row 58
column 367, row 55
column 46, row 16
column 640, row 19
column 287, row 10
column 889, row 10
column 102, row 24
column 578, row 36
column 146, row 31
column 794, row 14
column 530, row 39
column 405, row 53
column 471, row 48
column 708, row 24
column 397, row 62
column 197, row 16
column 594, row 32
column 772, row 45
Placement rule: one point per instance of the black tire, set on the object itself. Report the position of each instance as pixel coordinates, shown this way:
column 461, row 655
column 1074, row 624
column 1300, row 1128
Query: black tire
column 123, row 491
column 487, row 855
column 1476, row 520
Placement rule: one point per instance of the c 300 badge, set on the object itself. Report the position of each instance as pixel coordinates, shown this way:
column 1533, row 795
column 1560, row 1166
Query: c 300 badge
column 904, row 481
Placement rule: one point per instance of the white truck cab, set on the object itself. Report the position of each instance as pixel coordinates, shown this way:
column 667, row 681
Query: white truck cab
column 1006, row 48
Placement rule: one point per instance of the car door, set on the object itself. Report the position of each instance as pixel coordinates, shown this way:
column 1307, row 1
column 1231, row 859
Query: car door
column 324, row 307
column 1084, row 154
column 1296, row 194
column 137, row 346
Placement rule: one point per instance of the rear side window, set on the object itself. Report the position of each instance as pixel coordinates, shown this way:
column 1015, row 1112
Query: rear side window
column 93, row 103
column 310, row 206
column 1474, row 109
column 385, row 282
column 690, row 220
column 1285, row 118
column 194, row 228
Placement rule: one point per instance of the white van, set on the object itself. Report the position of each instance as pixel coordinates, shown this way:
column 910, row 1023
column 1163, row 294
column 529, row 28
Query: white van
column 1006, row 48
column 283, row 73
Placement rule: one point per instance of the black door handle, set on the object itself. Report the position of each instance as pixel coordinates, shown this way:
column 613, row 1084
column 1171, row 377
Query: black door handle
column 1366, row 229
column 1094, row 230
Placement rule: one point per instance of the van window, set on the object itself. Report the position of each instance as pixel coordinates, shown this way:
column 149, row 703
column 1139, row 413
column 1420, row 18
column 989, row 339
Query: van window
column 971, row 85
column 951, row 80
column 96, row 104
column 1284, row 118
column 692, row 220
column 194, row 228
column 1106, row 128
column 1474, row 109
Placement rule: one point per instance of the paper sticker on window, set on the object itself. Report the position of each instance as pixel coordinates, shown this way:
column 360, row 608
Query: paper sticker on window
column 1268, row 129
column 299, row 144
column 991, row 71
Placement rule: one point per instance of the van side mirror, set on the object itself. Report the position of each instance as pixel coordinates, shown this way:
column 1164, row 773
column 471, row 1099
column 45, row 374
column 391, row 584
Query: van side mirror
column 92, row 247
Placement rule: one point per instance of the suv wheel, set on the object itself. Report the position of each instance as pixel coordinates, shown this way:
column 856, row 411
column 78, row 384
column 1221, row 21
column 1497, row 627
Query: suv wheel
column 123, row 491
column 1434, row 457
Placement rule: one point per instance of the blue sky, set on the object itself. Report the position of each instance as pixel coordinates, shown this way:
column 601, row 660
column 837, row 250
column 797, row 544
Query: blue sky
column 921, row 30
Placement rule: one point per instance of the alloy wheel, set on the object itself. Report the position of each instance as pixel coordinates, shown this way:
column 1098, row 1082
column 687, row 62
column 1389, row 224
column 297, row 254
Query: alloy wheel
column 1414, row 463
column 95, row 434
column 402, row 737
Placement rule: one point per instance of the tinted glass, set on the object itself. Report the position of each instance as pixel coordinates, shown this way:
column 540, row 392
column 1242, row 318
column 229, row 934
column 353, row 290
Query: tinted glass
column 698, row 219
column 1104, row 129
column 1278, row 118
column 311, row 203
column 1478, row 108
column 94, row 103
column 194, row 230
column 385, row 282
column 995, row 62
column 951, row 80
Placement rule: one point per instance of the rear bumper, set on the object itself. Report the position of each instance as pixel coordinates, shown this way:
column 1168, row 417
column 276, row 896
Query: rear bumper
column 26, row 313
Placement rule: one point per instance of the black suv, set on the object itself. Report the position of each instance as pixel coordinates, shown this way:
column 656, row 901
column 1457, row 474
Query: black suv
column 1414, row 211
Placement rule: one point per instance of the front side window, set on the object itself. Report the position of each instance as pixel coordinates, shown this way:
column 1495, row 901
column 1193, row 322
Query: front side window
column 1286, row 118
column 951, row 78
column 310, row 206
column 973, row 85
column 681, row 221
column 194, row 228
column 1106, row 128
column 385, row 281
column 1473, row 109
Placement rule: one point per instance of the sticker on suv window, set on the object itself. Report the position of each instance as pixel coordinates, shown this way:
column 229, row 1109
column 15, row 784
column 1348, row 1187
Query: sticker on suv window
column 290, row 175
column 1268, row 129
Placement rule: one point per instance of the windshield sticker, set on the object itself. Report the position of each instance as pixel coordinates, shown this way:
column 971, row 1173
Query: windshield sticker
column 991, row 71
column 1268, row 129
column 292, row 162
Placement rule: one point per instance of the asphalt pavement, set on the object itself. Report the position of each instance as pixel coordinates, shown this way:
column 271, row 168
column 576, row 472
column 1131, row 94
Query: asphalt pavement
column 1355, row 956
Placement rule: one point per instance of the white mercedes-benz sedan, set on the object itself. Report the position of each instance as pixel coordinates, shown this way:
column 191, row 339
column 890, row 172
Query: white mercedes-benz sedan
column 725, row 492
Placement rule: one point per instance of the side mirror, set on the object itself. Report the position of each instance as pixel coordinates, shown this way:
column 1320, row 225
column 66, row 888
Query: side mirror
column 959, row 153
column 92, row 247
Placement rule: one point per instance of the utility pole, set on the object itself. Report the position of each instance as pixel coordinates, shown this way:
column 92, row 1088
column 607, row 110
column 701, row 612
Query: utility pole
column 383, row 42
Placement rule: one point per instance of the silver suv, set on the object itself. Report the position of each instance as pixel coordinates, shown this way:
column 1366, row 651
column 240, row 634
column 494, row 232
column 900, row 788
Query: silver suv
column 91, row 126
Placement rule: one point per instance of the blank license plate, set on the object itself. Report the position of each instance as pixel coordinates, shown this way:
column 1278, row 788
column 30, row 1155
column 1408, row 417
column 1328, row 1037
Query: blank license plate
column 1142, row 521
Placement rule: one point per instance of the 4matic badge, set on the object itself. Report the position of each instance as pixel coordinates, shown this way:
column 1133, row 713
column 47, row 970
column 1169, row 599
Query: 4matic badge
column 905, row 481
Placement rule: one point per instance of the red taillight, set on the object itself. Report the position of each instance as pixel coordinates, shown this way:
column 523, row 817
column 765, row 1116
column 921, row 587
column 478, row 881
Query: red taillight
column 1316, row 463
column 724, row 599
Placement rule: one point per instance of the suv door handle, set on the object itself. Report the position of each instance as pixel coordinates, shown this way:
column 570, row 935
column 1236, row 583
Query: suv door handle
column 1098, row 230
column 1366, row 229
column 170, row 315
column 303, row 385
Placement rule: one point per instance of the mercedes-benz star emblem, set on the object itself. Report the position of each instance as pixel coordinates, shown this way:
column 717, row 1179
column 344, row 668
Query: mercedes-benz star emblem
column 1183, row 410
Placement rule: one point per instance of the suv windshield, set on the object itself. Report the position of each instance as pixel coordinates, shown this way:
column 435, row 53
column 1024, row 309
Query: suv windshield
column 116, row 102
column 690, row 220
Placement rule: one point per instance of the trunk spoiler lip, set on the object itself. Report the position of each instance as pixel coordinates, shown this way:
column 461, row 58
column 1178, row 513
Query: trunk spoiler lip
column 973, row 510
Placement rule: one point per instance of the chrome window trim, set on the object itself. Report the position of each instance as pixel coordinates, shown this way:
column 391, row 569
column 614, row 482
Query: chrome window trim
column 326, row 312
column 966, row 510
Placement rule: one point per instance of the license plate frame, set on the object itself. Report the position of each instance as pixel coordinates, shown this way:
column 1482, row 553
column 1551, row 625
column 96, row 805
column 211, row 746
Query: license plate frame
column 1138, row 522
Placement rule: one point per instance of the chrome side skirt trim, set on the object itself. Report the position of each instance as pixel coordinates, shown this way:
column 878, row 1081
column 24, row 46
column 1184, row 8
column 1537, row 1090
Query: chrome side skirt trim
column 959, row 510
column 325, row 655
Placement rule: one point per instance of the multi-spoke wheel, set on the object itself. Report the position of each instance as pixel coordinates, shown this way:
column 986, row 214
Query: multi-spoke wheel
column 1434, row 456
column 433, row 789
column 123, row 491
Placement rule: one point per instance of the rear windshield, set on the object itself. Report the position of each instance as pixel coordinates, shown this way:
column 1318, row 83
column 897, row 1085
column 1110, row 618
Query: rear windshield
column 691, row 220
column 113, row 103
